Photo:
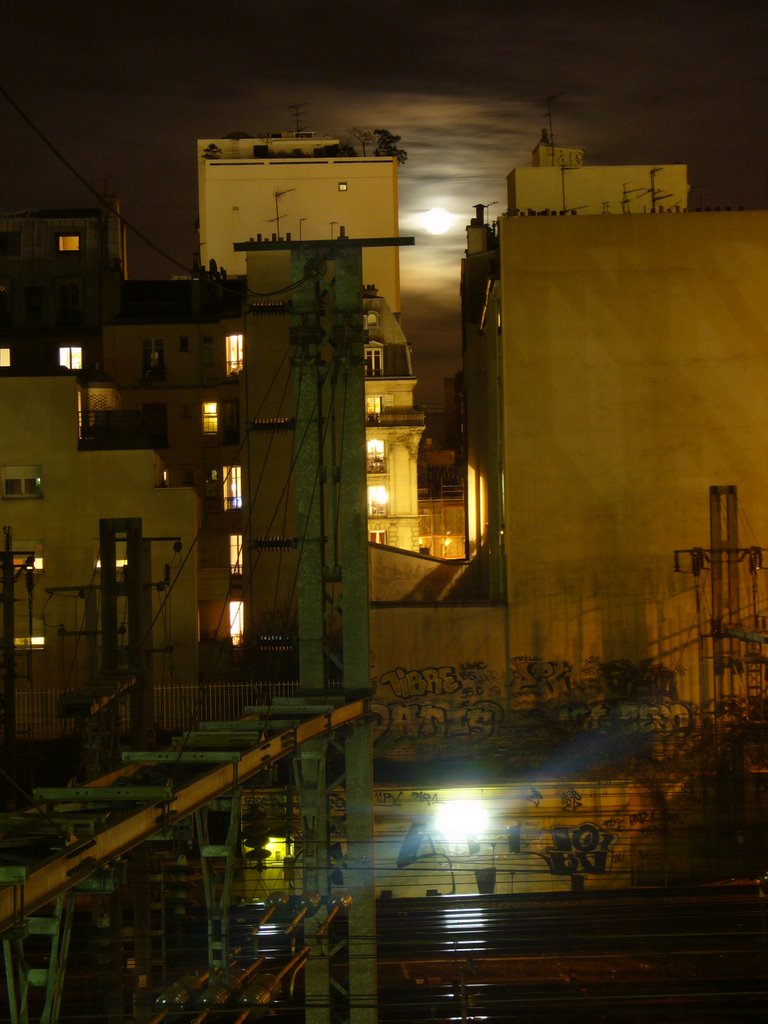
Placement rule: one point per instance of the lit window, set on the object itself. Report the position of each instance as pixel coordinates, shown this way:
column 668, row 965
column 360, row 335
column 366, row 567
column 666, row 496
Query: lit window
column 373, row 407
column 210, row 418
column 378, row 500
column 343, row 186
column 24, row 549
column 22, row 482
column 375, row 449
column 373, row 361
column 233, row 494
column 24, row 639
column 68, row 243
column 234, row 353
column 236, row 553
column 72, row 358
column 5, row 357
column 378, row 536
column 211, row 483
column 236, row 622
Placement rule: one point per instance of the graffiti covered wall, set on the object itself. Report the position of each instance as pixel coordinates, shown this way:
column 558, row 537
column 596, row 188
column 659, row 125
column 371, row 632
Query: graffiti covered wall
column 458, row 685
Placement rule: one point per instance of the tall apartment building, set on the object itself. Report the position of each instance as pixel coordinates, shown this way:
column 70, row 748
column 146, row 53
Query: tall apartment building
column 60, row 278
column 296, row 184
column 613, row 361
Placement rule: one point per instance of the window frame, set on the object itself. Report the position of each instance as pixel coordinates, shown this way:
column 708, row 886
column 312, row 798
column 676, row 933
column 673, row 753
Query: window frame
column 25, row 475
column 210, row 412
column 67, row 250
column 71, row 357
column 374, row 360
column 232, row 487
column 234, row 348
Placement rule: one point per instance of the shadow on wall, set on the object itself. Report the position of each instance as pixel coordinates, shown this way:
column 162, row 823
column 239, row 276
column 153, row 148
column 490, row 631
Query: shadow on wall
column 403, row 576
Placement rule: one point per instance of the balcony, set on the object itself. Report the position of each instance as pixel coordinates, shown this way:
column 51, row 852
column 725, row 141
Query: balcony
column 376, row 464
column 113, row 429
column 396, row 418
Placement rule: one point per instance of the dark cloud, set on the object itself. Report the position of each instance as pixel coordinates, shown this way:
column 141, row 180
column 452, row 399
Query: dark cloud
column 124, row 92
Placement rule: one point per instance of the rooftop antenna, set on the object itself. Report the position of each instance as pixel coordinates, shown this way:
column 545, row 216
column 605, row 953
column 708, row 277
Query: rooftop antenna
column 550, row 101
column 278, row 197
column 297, row 109
column 656, row 193
column 627, row 194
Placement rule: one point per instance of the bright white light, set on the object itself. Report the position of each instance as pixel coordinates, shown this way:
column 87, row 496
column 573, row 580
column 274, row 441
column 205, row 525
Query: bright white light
column 459, row 819
column 437, row 220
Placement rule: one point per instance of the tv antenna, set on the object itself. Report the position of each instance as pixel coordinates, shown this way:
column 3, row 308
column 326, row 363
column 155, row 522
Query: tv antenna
column 656, row 193
column 278, row 197
column 297, row 110
column 550, row 101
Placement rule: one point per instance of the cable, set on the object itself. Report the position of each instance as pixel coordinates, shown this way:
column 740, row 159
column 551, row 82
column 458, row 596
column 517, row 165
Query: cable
column 103, row 201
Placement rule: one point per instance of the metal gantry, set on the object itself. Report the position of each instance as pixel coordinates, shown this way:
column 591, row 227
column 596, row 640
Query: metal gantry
column 326, row 341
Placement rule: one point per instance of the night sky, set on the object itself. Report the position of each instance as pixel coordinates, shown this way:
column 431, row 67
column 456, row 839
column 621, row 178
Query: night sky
column 124, row 91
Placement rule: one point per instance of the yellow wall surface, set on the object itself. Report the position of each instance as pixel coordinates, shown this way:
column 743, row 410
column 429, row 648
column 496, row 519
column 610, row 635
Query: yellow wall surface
column 38, row 426
column 597, row 190
column 237, row 203
column 635, row 366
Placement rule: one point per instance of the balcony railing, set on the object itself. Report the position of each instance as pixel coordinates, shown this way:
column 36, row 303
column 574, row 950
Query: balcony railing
column 396, row 418
column 376, row 464
column 114, row 429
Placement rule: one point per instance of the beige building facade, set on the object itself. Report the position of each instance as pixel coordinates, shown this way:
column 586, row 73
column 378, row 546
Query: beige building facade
column 614, row 369
column 64, row 468
column 295, row 184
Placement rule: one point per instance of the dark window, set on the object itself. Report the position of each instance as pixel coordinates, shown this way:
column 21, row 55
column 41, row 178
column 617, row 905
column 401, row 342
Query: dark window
column 207, row 351
column 183, row 343
column 34, row 300
column 10, row 243
column 5, row 303
column 230, row 421
column 69, row 306
column 156, row 417
column 153, row 358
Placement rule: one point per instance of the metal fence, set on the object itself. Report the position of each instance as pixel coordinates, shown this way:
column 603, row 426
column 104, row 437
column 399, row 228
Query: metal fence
column 177, row 707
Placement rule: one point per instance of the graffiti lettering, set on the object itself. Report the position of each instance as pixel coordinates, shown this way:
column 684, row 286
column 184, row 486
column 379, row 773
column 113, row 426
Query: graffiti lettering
column 420, row 721
column 540, row 678
column 571, row 799
column 677, row 718
column 424, row 798
column 630, row 681
column 387, row 798
column 436, row 682
column 583, row 849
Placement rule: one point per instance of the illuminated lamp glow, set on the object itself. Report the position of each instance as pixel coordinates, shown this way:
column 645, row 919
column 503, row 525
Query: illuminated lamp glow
column 459, row 819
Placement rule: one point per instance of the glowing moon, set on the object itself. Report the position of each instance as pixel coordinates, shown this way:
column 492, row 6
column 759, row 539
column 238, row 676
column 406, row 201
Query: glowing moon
column 437, row 220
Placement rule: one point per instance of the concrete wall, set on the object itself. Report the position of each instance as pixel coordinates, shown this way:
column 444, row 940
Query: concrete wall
column 634, row 367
